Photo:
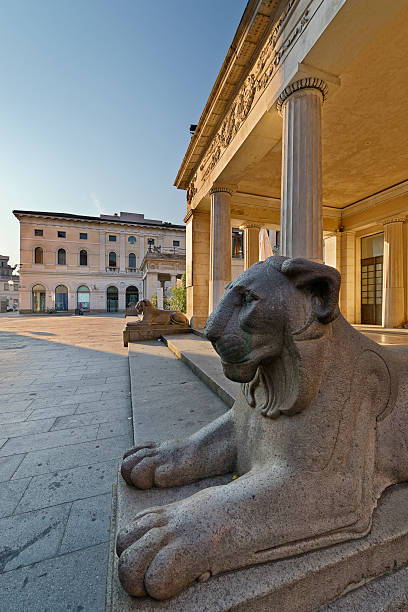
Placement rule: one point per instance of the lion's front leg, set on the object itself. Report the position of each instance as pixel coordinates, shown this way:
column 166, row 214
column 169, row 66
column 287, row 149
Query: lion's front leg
column 265, row 514
column 211, row 451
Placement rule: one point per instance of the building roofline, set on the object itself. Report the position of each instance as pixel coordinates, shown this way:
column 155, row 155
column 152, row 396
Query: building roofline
column 37, row 213
column 240, row 56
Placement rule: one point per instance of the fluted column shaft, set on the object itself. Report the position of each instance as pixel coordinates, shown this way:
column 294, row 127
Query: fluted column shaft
column 301, row 188
column 220, row 243
column 393, row 307
column 251, row 244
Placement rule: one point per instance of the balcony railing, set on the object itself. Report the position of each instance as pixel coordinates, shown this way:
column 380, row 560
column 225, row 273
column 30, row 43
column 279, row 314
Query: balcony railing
column 112, row 269
column 158, row 250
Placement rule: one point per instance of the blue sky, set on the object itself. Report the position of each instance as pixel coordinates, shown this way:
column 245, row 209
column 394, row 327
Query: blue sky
column 96, row 100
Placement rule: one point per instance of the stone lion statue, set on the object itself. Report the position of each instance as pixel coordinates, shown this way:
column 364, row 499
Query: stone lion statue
column 156, row 316
column 315, row 436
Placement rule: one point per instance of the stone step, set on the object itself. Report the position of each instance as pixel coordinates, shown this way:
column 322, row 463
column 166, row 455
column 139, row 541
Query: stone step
column 198, row 354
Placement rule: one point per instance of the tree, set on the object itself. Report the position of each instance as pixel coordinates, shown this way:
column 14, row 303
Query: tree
column 178, row 296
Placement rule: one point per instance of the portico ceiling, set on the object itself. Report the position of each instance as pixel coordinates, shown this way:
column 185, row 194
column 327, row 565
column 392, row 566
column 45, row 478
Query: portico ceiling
column 365, row 119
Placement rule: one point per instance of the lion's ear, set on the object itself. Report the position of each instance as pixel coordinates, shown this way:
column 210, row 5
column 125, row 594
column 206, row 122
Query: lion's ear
column 322, row 281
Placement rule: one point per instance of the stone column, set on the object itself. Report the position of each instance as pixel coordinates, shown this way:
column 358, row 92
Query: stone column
column 220, row 243
column 197, row 266
column 347, row 269
column 251, row 244
column 393, row 306
column 300, row 105
column 122, row 253
column 173, row 281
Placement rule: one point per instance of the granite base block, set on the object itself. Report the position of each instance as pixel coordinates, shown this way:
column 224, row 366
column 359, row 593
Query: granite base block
column 303, row 583
column 136, row 332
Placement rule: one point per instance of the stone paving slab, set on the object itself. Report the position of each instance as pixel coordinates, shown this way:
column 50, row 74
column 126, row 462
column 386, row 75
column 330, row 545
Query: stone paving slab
column 68, row 485
column 8, row 466
column 12, row 430
column 74, row 581
column 14, row 446
column 88, row 523
column 11, row 494
column 32, row 536
column 91, row 418
column 71, row 456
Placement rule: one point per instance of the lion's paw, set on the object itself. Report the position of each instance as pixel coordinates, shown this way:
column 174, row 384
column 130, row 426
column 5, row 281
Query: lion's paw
column 153, row 465
column 157, row 556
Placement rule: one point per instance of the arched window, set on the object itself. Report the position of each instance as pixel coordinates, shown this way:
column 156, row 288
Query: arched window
column 132, row 260
column 112, row 299
column 62, row 257
column 83, row 302
column 83, row 258
column 61, row 298
column 38, row 255
column 112, row 259
column 132, row 295
column 38, row 293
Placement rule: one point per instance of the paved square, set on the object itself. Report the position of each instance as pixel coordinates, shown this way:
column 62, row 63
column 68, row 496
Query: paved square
column 64, row 424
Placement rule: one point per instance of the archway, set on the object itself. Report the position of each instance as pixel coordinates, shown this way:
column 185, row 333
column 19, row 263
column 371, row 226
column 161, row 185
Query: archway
column 61, row 298
column 132, row 295
column 112, row 299
column 83, row 298
column 38, row 293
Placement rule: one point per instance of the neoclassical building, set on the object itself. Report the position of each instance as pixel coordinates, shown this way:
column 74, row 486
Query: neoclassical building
column 305, row 132
column 93, row 263
column 9, row 285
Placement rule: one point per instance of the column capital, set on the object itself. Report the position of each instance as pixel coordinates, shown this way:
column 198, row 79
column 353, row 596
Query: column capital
column 399, row 219
column 223, row 189
column 297, row 86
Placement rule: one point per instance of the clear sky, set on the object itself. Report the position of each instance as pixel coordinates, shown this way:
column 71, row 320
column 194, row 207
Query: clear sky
column 96, row 101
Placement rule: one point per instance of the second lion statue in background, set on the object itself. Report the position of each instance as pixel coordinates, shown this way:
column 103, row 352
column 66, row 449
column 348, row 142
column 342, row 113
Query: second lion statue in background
column 315, row 436
column 157, row 316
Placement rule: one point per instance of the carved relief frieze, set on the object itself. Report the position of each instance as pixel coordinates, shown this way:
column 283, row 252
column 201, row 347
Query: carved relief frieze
column 272, row 54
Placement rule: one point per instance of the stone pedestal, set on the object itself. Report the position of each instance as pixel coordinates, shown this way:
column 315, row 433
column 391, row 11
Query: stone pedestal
column 393, row 308
column 251, row 244
column 220, row 243
column 300, row 104
column 136, row 332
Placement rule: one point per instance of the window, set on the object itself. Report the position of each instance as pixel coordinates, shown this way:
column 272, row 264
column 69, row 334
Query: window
column 62, row 257
column 61, row 234
column 83, row 258
column 112, row 238
column 38, row 232
column 176, row 242
column 38, row 255
column 132, row 240
column 237, row 243
column 83, row 236
column 132, row 260
column 112, row 259
column 6, row 287
column 150, row 241
column 16, row 287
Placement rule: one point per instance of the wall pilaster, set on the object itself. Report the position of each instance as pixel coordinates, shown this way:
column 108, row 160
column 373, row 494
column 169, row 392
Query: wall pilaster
column 251, row 244
column 197, row 266
column 393, row 305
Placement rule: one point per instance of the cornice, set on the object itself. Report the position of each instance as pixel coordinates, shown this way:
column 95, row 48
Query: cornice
column 255, row 24
column 399, row 219
column 390, row 193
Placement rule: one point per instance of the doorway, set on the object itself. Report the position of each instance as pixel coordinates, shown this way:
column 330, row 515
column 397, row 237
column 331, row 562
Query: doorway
column 372, row 279
column 38, row 298
column 112, row 299
column 132, row 296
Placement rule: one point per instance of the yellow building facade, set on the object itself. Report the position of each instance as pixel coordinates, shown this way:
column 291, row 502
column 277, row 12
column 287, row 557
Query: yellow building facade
column 305, row 132
column 70, row 262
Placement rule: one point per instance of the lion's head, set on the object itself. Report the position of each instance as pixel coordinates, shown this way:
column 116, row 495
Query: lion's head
column 141, row 305
column 268, row 317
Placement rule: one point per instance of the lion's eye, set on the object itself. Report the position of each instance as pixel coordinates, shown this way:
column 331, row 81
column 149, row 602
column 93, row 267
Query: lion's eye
column 248, row 298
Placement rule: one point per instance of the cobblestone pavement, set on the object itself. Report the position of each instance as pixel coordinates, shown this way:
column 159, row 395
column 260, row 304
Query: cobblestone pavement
column 64, row 424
